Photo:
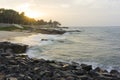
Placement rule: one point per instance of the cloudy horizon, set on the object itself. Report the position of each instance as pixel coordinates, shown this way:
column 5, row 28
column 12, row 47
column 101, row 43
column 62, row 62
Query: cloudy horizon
column 70, row 12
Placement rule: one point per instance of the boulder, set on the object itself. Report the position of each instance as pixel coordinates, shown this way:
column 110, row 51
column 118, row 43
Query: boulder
column 93, row 73
column 86, row 67
column 114, row 72
column 50, row 31
column 74, row 31
column 7, row 47
column 98, row 69
column 21, row 67
column 44, row 39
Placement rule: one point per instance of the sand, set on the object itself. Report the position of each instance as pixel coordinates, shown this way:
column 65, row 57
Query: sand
column 8, row 35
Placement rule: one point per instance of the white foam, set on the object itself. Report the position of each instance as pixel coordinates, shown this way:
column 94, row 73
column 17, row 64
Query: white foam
column 35, row 40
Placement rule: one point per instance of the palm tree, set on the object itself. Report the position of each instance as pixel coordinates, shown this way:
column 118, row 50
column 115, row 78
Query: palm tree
column 56, row 24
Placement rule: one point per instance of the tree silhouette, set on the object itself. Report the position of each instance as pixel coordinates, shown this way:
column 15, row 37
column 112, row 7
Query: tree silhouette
column 12, row 16
column 56, row 23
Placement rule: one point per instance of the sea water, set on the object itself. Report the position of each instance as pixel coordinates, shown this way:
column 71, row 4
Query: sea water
column 97, row 46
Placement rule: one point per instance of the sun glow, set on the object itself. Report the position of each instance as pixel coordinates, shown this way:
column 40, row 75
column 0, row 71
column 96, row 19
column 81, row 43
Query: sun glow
column 29, row 11
column 32, row 14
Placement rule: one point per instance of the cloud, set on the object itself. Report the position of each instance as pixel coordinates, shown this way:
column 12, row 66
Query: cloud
column 65, row 5
column 83, row 11
column 83, row 2
column 97, row 3
column 23, row 7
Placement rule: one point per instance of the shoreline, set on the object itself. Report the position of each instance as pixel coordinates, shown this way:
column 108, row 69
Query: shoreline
column 19, row 66
column 14, row 65
column 8, row 35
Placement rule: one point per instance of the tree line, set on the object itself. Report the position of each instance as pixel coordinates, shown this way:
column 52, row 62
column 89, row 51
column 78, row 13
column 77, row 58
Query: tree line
column 12, row 16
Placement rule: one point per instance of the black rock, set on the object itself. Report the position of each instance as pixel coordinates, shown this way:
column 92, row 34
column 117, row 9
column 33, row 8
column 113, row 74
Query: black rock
column 50, row 31
column 79, row 72
column 44, row 39
column 93, row 73
column 70, row 78
column 98, row 69
column 85, row 77
column 86, row 67
column 74, row 31
column 5, row 47
column 114, row 72
column 21, row 67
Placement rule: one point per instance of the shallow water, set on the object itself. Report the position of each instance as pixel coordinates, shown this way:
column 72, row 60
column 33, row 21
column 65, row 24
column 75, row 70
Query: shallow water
column 99, row 46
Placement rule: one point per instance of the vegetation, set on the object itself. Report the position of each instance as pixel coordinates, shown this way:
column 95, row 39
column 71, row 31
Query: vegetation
column 12, row 16
column 11, row 28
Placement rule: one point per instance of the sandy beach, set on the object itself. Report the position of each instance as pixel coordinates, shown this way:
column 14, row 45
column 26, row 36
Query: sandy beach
column 8, row 35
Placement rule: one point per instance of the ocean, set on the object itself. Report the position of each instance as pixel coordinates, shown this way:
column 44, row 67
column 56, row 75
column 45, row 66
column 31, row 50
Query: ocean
column 97, row 46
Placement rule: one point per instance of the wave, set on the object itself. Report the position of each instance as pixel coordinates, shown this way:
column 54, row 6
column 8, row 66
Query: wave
column 96, row 46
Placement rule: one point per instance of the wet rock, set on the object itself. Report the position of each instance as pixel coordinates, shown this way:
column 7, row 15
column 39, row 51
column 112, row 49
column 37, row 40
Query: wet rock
column 61, row 79
column 103, row 78
column 68, row 67
column 23, row 56
column 70, row 78
column 7, row 47
column 75, row 65
column 50, row 31
column 98, row 69
column 74, row 31
column 5, row 54
column 46, row 73
column 36, row 68
column 86, row 67
column 55, row 65
column 3, row 68
column 12, row 78
column 65, row 65
column 44, row 39
column 21, row 67
column 27, row 78
column 67, row 73
column 93, row 73
column 79, row 72
column 107, row 75
column 12, row 62
column 114, row 72
column 85, row 77
column 57, row 75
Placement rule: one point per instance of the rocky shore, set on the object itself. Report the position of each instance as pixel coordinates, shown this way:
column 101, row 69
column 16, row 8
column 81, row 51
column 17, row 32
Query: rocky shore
column 53, row 31
column 16, row 65
column 50, row 31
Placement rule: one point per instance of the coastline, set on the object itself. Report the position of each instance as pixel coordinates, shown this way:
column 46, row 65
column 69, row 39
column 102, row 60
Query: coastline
column 18, row 66
column 15, row 65
column 8, row 35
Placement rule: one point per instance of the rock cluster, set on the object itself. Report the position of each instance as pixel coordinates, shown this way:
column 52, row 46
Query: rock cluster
column 50, row 31
column 21, row 67
column 74, row 31
column 11, row 47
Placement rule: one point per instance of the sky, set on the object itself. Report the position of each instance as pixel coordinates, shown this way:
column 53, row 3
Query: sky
column 69, row 12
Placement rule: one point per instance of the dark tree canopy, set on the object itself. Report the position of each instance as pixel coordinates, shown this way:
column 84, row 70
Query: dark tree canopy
column 12, row 16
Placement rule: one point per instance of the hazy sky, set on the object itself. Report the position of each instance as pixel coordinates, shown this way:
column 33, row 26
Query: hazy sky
column 70, row 12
